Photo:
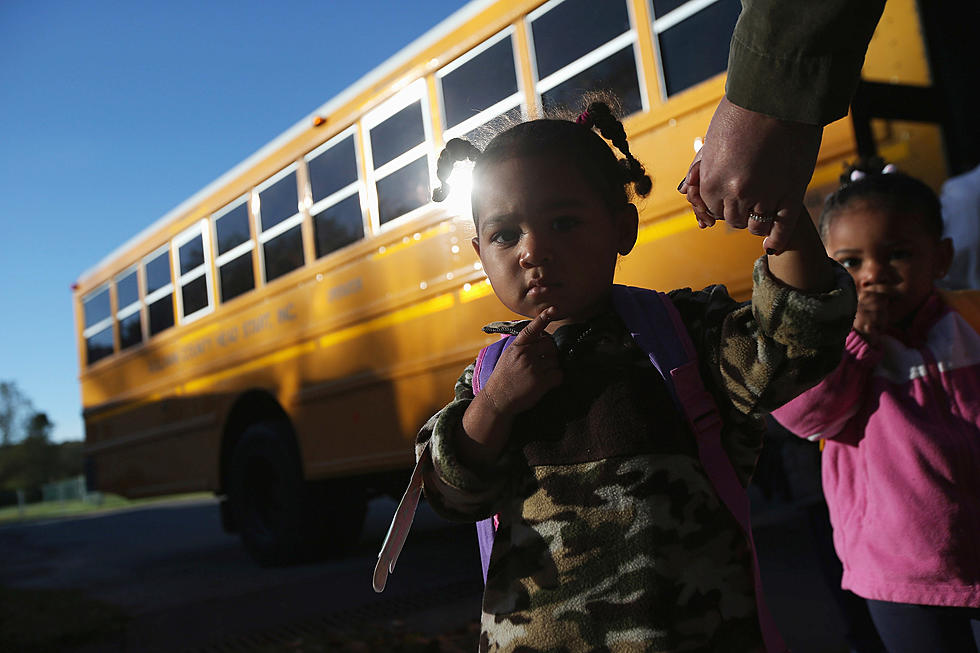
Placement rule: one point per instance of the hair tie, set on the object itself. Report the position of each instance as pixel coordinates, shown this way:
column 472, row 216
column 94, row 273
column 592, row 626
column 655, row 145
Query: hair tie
column 585, row 119
column 858, row 174
column 889, row 169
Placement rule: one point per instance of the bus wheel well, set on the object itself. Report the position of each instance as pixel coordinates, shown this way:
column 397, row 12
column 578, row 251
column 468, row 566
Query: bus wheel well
column 252, row 407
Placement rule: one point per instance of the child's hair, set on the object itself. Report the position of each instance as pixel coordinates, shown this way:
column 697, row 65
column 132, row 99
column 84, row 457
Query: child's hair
column 616, row 180
column 871, row 180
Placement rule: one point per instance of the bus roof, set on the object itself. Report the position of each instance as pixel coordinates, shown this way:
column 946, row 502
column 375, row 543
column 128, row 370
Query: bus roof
column 401, row 57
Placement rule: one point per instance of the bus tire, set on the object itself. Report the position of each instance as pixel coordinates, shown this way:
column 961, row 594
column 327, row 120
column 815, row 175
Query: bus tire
column 269, row 498
column 342, row 507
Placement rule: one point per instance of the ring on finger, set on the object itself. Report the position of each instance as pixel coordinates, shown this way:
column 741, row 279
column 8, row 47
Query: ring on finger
column 758, row 217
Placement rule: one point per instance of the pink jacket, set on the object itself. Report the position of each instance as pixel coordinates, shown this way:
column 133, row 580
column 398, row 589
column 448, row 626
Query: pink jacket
column 901, row 467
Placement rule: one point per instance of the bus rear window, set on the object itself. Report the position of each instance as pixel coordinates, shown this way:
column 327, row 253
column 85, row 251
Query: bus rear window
column 98, row 345
column 129, row 310
column 96, row 307
column 98, row 325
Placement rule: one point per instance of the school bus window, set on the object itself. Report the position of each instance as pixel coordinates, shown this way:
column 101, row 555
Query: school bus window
column 98, row 325
column 159, row 291
column 336, row 211
column 338, row 225
column 397, row 135
column 615, row 72
column 194, row 277
column 279, row 218
column 483, row 80
column 283, row 254
column 397, row 139
column 693, row 39
column 332, row 169
column 234, row 246
column 403, row 190
column 129, row 314
column 582, row 45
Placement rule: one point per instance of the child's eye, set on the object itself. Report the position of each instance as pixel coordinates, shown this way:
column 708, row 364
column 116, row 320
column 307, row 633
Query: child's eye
column 565, row 223
column 900, row 254
column 505, row 236
column 850, row 262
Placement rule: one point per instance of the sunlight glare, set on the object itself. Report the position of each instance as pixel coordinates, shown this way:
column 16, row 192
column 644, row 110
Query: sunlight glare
column 460, row 187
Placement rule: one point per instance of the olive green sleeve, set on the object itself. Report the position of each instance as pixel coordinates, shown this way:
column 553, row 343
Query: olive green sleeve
column 800, row 60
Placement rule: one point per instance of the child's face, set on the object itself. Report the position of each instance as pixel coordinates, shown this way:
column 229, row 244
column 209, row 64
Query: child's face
column 546, row 238
column 893, row 259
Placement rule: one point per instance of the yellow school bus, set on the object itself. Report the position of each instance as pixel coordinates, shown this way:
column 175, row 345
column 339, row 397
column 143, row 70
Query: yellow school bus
column 280, row 336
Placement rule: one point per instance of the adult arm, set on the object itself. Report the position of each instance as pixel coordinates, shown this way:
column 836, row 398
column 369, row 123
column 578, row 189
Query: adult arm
column 793, row 67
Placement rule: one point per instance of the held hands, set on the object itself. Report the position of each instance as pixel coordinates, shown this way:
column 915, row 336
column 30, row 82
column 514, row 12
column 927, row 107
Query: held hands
column 752, row 171
column 527, row 369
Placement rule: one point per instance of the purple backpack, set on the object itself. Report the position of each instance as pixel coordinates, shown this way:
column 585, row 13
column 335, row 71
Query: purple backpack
column 656, row 326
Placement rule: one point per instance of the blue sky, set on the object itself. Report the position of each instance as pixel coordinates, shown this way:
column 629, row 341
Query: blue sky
column 112, row 112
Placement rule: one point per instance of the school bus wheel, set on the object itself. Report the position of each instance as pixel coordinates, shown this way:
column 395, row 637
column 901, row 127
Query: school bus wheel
column 270, row 501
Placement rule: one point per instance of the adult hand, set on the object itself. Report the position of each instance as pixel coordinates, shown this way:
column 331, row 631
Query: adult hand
column 752, row 163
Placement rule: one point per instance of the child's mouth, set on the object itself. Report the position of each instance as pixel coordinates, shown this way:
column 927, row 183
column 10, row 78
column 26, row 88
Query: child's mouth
column 537, row 289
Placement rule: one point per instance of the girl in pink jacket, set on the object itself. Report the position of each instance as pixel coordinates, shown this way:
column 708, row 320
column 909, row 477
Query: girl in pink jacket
column 901, row 419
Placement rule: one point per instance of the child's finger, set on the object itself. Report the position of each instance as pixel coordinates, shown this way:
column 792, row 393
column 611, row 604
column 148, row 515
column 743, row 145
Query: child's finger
column 535, row 327
column 782, row 228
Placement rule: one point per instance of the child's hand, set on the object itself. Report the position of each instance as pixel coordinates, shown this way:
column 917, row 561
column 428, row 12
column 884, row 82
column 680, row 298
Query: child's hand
column 872, row 315
column 527, row 369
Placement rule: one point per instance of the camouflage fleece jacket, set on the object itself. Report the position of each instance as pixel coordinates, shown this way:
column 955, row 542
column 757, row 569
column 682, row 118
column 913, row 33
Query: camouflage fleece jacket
column 611, row 536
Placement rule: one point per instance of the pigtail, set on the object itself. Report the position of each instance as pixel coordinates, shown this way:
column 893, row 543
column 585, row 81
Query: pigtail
column 456, row 150
column 601, row 117
column 870, row 179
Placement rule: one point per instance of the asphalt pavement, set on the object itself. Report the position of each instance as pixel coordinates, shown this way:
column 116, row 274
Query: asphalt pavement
column 188, row 585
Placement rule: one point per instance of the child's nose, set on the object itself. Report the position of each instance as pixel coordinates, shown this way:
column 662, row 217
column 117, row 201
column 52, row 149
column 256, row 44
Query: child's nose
column 877, row 272
column 537, row 251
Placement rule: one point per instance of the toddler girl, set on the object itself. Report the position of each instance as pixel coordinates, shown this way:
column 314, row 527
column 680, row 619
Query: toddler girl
column 611, row 536
column 901, row 420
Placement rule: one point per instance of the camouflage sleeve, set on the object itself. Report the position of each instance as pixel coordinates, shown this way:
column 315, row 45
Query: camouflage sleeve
column 762, row 353
column 456, row 492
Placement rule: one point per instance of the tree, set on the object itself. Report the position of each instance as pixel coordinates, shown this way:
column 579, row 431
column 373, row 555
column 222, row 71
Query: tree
column 14, row 406
column 39, row 426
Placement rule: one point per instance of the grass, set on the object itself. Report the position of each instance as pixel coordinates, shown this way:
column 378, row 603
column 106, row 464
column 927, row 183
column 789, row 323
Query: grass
column 55, row 509
column 39, row 621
